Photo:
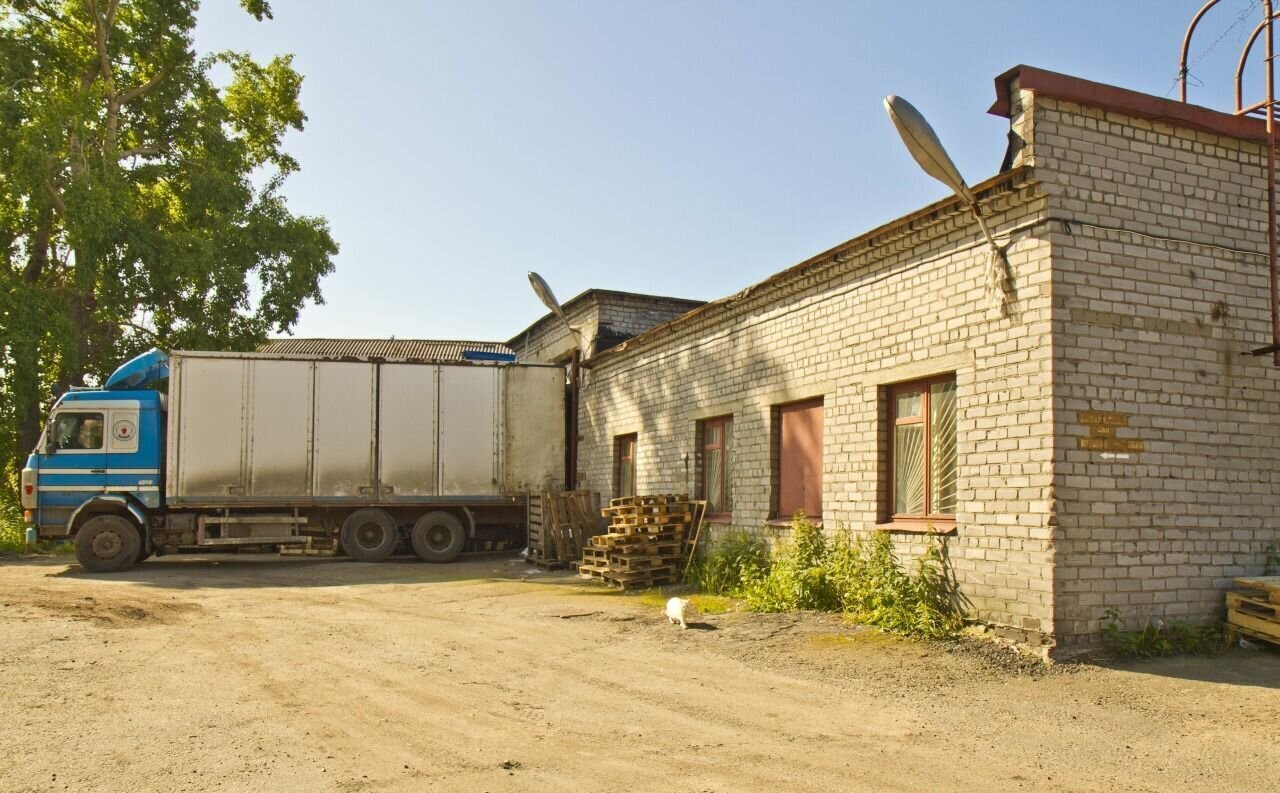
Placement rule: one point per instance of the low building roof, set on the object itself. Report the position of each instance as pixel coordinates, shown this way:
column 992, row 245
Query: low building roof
column 407, row 349
column 598, row 294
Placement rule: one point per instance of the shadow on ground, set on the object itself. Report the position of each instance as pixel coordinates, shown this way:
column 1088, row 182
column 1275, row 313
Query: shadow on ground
column 1258, row 667
column 244, row 571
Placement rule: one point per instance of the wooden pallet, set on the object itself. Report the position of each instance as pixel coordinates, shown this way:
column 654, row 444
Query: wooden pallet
column 648, row 549
column 546, row 564
column 629, row 581
column 654, row 530
column 635, row 564
column 644, row 542
column 561, row 523
column 1267, row 584
column 673, row 520
column 653, row 500
column 1255, row 613
column 592, row 555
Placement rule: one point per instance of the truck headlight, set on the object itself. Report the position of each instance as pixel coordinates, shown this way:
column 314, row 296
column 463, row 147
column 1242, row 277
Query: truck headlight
column 28, row 486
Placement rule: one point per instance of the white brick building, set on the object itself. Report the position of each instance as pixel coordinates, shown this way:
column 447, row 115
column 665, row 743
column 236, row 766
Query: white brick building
column 1106, row 441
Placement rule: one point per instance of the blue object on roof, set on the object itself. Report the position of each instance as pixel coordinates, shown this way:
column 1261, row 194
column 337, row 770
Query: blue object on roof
column 479, row 355
column 150, row 367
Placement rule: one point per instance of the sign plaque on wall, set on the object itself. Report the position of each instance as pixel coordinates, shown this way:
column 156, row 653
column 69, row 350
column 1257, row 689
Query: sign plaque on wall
column 1102, row 433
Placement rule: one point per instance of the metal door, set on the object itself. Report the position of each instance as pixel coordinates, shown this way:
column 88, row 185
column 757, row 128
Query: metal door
column 280, row 429
column 469, row 432
column 344, row 427
column 207, row 428
column 407, row 429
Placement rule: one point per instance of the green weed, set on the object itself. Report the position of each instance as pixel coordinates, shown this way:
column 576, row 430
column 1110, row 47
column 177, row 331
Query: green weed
column 720, row 570
column 799, row 577
column 1157, row 640
column 860, row 576
column 13, row 536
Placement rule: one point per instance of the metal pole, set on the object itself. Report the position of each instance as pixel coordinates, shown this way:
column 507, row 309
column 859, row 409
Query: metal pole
column 1186, row 44
column 571, row 454
column 1271, row 183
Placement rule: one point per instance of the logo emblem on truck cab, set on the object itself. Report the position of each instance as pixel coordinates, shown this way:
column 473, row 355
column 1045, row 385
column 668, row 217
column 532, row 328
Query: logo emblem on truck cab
column 124, row 430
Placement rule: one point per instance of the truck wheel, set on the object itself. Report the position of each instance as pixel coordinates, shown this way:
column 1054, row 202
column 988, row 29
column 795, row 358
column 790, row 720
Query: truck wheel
column 369, row 535
column 438, row 537
column 107, row 544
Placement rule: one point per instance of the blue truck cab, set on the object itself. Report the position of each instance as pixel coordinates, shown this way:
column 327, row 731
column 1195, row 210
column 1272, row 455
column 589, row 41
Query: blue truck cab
column 97, row 470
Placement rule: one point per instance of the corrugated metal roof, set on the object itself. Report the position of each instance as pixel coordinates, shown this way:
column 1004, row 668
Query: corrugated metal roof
column 412, row 349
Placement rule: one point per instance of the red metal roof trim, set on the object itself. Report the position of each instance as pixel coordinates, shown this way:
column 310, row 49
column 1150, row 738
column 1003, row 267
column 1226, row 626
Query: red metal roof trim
column 1122, row 100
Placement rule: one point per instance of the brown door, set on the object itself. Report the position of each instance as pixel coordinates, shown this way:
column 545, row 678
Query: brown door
column 800, row 459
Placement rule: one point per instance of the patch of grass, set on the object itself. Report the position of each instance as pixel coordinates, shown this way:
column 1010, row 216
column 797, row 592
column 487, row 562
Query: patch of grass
column 1158, row 640
column 713, row 604
column 705, row 604
column 861, row 638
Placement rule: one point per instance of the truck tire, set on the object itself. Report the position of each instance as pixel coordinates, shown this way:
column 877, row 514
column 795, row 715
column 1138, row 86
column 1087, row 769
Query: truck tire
column 438, row 537
column 107, row 544
column 369, row 535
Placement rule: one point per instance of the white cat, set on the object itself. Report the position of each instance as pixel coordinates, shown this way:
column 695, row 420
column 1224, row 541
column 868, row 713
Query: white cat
column 680, row 611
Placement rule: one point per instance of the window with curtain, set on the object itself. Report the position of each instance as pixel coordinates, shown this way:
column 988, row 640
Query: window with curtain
column 716, row 487
column 624, row 466
column 923, row 449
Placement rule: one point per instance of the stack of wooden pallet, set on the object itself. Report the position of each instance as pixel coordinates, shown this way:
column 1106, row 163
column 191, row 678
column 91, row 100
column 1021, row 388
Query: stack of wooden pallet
column 1255, row 610
column 644, row 545
column 560, row 524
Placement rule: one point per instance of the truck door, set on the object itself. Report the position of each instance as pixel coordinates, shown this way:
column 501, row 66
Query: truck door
column 129, row 469
column 73, row 467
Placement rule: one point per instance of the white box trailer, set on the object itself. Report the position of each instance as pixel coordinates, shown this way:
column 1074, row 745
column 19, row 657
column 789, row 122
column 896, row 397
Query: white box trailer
column 271, row 449
column 248, row 428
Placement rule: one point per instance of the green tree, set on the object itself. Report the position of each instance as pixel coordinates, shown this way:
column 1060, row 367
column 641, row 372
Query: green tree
column 140, row 198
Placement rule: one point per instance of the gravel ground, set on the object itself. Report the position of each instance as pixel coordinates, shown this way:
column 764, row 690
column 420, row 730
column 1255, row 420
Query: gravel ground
column 236, row 673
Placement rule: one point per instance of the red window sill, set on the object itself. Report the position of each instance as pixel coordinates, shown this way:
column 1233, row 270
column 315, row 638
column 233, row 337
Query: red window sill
column 943, row 526
column 718, row 517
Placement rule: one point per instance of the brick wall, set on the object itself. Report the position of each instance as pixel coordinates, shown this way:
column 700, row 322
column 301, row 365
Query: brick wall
column 1117, row 448
column 1159, row 285
column 904, row 302
column 548, row 340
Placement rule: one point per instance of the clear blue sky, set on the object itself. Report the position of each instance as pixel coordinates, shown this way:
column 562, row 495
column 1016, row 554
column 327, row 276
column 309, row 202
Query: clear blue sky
column 680, row 148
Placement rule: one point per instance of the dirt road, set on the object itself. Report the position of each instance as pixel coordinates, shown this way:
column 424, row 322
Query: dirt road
column 267, row 674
